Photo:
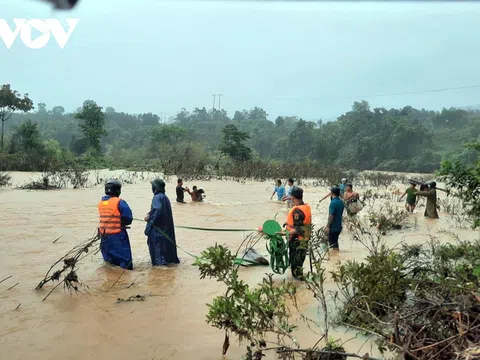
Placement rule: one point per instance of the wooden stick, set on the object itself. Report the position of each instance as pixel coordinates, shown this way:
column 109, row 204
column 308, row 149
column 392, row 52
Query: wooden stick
column 123, row 272
column 8, row 277
column 11, row 287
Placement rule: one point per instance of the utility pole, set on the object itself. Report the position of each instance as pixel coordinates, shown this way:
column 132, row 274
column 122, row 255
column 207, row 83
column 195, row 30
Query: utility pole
column 214, row 101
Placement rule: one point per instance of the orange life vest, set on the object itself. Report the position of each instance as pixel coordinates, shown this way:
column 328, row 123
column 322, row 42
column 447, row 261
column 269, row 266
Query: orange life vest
column 307, row 223
column 110, row 216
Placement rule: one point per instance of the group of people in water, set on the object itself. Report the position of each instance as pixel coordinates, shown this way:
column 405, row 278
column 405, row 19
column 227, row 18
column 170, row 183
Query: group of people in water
column 342, row 196
column 196, row 194
column 116, row 216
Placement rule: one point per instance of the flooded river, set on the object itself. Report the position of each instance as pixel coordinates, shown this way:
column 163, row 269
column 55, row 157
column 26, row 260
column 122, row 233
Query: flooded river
column 169, row 324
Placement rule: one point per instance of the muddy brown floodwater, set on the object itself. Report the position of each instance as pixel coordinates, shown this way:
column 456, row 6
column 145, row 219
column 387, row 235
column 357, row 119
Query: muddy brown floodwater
column 169, row 324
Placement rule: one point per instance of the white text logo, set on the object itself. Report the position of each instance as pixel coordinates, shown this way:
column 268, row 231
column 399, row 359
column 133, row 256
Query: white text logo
column 45, row 27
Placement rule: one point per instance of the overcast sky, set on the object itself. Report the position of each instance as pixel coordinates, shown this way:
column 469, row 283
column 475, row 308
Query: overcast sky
column 307, row 59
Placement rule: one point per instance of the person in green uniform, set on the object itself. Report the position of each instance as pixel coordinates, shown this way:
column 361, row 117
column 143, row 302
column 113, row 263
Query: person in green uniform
column 431, row 195
column 411, row 197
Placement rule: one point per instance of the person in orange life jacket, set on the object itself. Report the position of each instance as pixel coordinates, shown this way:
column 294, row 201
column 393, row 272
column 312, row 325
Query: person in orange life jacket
column 298, row 224
column 115, row 216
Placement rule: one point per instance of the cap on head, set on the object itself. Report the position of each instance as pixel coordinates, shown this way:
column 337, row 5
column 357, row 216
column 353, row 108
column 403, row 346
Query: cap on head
column 335, row 191
column 158, row 186
column 297, row 192
column 344, row 180
column 113, row 187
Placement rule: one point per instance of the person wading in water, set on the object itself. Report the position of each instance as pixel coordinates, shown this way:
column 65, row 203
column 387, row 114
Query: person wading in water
column 431, row 195
column 180, row 190
column 160, row 229
column 351, row 200
column 115, row 216
column 411, row 197
column 334, row 226
column 299, row 226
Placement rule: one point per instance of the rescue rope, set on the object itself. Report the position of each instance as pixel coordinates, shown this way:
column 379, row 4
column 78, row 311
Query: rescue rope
column 278, row 248
column 278, row 251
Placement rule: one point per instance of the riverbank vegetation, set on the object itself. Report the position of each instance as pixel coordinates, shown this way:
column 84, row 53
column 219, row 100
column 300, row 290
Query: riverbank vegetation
column 416, row 301
column 248, row 144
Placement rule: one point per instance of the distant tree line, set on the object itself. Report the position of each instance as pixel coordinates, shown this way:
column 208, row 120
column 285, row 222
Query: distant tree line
column 201, row 140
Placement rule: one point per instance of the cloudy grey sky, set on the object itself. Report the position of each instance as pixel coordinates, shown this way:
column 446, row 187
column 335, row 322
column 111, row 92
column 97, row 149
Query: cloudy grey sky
column 291, row 58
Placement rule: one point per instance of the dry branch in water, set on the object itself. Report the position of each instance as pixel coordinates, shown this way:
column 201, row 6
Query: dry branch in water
column 69, row 269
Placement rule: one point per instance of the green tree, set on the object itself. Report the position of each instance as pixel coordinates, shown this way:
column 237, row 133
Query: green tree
column 93, row 126
column 466, row 180
column 27, row 139
column 233, row 143
column 11, row 101
column 150, row 119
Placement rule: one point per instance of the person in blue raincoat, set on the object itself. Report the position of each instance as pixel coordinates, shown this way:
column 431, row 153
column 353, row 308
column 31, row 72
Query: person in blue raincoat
column 160, row 228
column 115, row 216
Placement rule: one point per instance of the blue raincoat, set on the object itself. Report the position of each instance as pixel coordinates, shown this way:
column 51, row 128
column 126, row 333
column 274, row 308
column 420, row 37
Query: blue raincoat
column 116, row 248
column 162, row 244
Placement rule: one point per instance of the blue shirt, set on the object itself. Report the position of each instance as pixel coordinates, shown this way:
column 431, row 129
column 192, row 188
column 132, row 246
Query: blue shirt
column 336, row 209
column 342, row 188
column 280, row 190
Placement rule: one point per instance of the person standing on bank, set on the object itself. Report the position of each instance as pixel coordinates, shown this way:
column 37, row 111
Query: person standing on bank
column 334, row 226
column 160, row 229
column 299, row 226
column 115, row 216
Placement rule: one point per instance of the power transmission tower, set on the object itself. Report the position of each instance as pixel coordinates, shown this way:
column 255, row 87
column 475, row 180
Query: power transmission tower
column 219, row 98
column 214, row 101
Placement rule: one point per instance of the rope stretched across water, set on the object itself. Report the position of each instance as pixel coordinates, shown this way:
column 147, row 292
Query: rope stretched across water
column 278, row 249
column 192, row 228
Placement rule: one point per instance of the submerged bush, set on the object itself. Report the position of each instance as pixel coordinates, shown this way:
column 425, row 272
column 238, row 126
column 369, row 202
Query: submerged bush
column 5, row 179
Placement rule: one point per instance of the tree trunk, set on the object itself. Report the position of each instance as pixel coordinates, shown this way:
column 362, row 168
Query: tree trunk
column 3, row 131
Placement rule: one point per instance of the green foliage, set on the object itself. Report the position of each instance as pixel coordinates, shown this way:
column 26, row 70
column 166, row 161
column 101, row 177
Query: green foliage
column 417, row 139
column 388, row 217
column 466, row 180
column 248, row 313
column 233, row 144
column 372, row 288
column 11, row 101
column 93, row 126
column 419, row 300
column 5, row 179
